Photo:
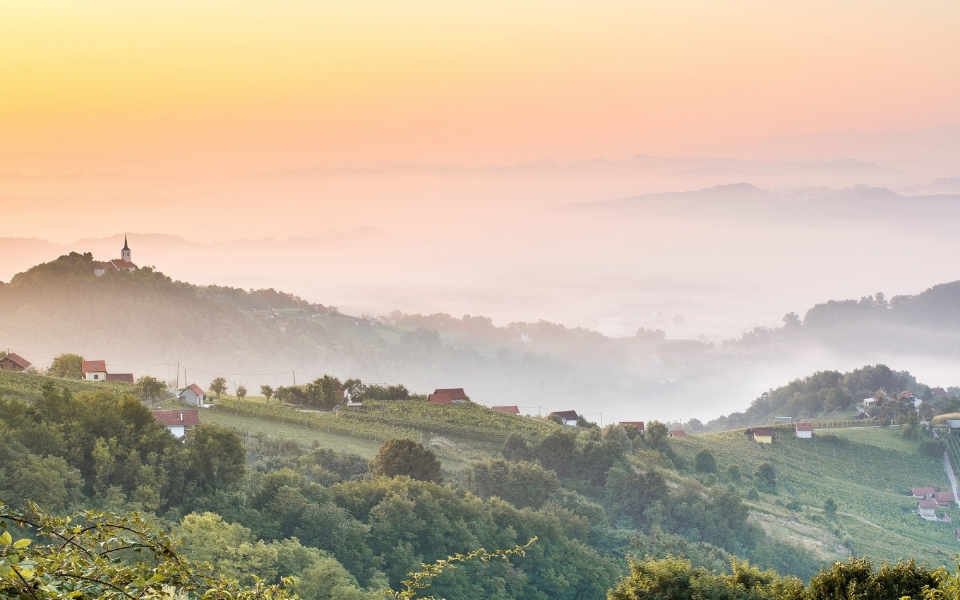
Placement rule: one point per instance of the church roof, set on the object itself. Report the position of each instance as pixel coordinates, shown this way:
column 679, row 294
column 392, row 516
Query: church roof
column 119, row 263
column 125, row 247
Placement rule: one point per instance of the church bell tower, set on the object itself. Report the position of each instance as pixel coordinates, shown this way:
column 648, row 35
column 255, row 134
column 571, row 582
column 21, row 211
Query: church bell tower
column 125, row 253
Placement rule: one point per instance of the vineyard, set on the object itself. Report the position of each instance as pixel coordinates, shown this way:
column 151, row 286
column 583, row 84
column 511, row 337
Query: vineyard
column 411, row 419
column 28, row 386
column 953, row 447
column 869, row 479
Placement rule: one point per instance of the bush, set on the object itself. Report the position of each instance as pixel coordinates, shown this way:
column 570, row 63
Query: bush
column 406, row 457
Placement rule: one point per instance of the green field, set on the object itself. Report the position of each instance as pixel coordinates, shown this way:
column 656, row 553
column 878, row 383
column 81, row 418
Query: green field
column 867, row 472
column 28, row 386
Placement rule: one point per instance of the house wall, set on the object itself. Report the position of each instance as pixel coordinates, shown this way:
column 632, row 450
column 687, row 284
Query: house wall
column 188, row 397
column 805, row 434
column 8, row 365
column 763, row 439
column 95, row 376
column 177, row 430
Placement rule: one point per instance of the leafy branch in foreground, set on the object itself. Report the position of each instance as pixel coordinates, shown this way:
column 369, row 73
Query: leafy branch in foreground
column 420, row 580
column 100, row 555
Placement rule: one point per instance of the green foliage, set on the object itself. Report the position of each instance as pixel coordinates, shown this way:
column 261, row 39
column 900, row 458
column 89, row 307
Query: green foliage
column 830, row 507
column 522, row 484
column 674, row 578
column 241, row 391
column 68, row 366
column 656, row 433
column 218, row 386
column 150, row 389
column 705, row 462
column 407, row 458
column 266, row 391
column 766, row 477
column 91, row 555
column 856, row 580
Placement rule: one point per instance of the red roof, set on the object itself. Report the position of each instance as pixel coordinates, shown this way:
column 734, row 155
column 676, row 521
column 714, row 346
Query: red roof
column 94, row 366
column 804, row 426
column 943, row 496
column 119, row 263
column 924, row 504
column 194, row 388
column 921, row 492
column 678, row 433
column 513, row 410
column 447, row 396
column 18, row 360
column 764, row 431
column 125, row 377
column 637, row 424
column 175, row 418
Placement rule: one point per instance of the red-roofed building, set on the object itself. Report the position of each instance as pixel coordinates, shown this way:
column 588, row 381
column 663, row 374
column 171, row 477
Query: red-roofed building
column 14, row 362
column 678, row 433
column 805, row 430
column 513, row 410
column 177, row 421
column 637, row 424
column 928, row 509
column 96, row 370
column 567, row 417
column 124, row 263
column 923, row 493
column 192, row 395
column 762, row 435
column 943, row 498
column 448, row 396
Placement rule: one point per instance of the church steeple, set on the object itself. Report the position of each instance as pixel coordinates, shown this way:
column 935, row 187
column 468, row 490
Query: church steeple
column 125, row 253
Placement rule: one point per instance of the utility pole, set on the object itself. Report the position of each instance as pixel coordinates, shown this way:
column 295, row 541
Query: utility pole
column 294, row 379
column 178, row 375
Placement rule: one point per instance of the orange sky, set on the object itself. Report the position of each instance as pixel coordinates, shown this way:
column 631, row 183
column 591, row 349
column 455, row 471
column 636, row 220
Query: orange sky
column 293, row 83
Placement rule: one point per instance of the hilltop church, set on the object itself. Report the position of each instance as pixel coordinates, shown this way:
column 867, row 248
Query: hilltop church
column 124, row 263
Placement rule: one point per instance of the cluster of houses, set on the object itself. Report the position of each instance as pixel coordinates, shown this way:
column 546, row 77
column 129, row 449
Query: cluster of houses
column 931, row 498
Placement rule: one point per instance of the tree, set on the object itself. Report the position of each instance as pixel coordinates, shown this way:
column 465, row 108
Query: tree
column 218, row 386
column 215, row 457
column 830, row 508
column 766, row 475
column 705, row 462
column 241, row 391
column 657, row 433
column 266, row 391
column 68, row 366
column 406, row 457
column 522, row 484
column 150, row 388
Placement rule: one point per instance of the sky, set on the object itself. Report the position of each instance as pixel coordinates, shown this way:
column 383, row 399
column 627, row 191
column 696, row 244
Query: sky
column 282, row 84
column 421, row 156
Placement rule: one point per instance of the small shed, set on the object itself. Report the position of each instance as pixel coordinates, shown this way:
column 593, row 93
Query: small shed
column 762, row 435
column 14, row 362
column 567, row 417
column 177, row 421
column 928, row 509
column 678, row 433
column 805, row 430
column 192, row 395
column 510, row 410
column 448, row 396
column 638, row 424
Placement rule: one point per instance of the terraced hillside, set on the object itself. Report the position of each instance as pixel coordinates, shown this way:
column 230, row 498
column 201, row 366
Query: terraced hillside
column 867, row 472
column 28, row 386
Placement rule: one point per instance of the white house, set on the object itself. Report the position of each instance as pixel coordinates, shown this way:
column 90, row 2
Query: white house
column 94, row 370
column 805, row 430
column 177, row 421
column 928, row 509
column 192, row 395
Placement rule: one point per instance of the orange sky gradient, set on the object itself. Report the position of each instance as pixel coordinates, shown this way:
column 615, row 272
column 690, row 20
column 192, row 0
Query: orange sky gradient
column 298, row 83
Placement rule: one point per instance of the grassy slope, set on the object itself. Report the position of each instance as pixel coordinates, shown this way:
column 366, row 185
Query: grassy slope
column 868, row 477
column 28, row 387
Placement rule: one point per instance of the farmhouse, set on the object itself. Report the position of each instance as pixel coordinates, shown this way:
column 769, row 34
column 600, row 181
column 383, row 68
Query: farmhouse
column 678, row 433
column 511, row 410
column 943, row 498
column 567, row 417
column 637, row 424
column 928, row 509
column 805, row 430
column 96, row 370
column 177, row 421
column 14, row 362
column 124, row 263
column 192, row 395
column 923, row 493
column 448, row 396
column 762, row 435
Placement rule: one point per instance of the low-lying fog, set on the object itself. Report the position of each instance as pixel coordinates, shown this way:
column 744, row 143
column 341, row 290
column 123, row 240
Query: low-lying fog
column 611, row 245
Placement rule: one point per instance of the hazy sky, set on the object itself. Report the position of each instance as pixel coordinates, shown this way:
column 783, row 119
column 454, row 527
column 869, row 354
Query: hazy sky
column 295, row 83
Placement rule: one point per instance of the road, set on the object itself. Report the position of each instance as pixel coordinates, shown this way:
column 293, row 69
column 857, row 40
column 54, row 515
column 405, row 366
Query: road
column 953, row 480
